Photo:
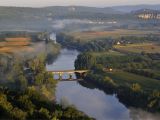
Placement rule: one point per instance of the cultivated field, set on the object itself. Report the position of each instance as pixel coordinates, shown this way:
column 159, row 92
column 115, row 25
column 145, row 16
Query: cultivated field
column 108, row 53
column 138, row 48
column 18, row 39
column 91, row 35
column 15, row 44
column 125, row 78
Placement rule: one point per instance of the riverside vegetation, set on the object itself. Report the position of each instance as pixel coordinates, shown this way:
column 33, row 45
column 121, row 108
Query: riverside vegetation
column 139, row 90
column 27, row 89
column 132, row 76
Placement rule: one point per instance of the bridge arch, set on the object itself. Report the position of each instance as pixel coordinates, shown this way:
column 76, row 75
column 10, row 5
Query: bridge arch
column 70, row 73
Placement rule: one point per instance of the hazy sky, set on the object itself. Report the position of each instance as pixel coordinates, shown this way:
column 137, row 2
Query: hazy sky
column 100, row 3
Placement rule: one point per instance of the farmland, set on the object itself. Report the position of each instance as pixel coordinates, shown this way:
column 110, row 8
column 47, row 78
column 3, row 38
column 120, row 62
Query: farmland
column 117, row 33
column 127, row 79
column 138, row 48
column 10, row 45
column 109, row 53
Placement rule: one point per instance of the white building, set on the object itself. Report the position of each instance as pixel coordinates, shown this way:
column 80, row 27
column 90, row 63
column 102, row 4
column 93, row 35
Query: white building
column 53, row 37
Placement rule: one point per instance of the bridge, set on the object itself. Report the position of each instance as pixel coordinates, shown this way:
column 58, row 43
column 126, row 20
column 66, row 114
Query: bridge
column 60, row 73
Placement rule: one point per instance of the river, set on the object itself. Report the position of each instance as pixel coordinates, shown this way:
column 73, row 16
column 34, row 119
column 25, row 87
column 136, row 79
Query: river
column 92, row 101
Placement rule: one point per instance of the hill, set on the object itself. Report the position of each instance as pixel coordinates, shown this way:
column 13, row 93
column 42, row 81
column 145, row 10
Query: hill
column 147, row 14
column 49, row 18
column 25, row 18
column 129, row 8
column 81, row 9
column 56, row 10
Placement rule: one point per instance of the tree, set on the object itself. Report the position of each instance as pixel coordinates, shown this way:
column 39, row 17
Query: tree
column 85, row 61
column 18, row 114
column 136, row 87
column 26, row 104
column 44, row 114
column 21, row 82
column 5, row 106
column 98, row 68
column 39, row 79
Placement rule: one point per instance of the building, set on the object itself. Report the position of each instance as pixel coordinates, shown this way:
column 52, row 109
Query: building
column 52, row 37
column 147, row 14
column 118, row 43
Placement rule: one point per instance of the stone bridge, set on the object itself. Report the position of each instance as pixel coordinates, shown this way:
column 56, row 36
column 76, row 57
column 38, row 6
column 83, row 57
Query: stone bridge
column 69, row 72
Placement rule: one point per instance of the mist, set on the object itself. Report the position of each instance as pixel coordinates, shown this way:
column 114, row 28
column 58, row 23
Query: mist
column 138, row 114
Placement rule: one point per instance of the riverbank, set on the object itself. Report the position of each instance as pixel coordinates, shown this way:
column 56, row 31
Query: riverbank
column 131, row 96
column 27, row 90
column 128, row 87
column 128, row 76
column 30, row 104
column 93, row 102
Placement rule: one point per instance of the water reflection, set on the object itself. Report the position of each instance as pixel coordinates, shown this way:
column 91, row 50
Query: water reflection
column 91, row 100
column 65, row 61
column 65, row 76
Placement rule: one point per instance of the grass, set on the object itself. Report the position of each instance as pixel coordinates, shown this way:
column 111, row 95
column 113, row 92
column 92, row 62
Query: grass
column 109, row 53
column 138, row 48
column 156, row 72
column 92, row 35
column 127, row 79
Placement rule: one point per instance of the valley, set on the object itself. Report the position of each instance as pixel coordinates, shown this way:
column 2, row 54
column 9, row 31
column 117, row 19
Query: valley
column 117, row 49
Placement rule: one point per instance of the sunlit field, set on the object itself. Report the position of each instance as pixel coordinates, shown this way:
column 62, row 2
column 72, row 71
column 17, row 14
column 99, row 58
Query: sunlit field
column 15, row 44
column 138, row 48
column 92, row 35
column 125, row 78
column 109, row 53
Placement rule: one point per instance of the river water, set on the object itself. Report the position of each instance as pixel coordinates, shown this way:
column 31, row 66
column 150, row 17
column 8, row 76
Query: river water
column 92, row 101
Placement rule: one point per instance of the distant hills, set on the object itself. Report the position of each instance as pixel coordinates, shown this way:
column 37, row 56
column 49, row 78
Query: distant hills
column 40, row 15
column 58, row 12
column 147, row 14
column 129, row 8
column 44, row 18
column 82, row 9
column 72, row 10
column 146, row 11
column 64, row 11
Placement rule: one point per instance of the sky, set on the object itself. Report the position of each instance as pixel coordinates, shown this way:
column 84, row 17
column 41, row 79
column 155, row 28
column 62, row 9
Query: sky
column 97, row 3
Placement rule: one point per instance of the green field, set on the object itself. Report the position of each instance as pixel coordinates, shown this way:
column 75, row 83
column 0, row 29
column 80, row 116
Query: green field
column 127, row 79
column 138, row 48
column 109, row 53
column 93, row 35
